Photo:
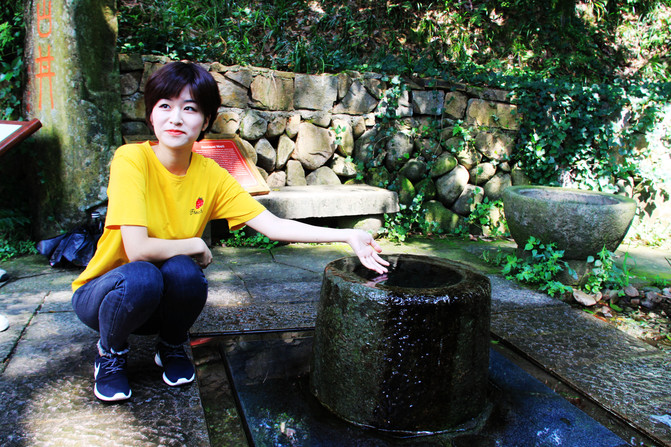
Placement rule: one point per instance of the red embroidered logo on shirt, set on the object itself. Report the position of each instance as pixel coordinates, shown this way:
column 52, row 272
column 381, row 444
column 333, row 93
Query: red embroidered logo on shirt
column 199, row 204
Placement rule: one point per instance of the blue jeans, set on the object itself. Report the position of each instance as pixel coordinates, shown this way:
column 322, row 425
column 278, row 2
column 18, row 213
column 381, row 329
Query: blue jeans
column 143, row 298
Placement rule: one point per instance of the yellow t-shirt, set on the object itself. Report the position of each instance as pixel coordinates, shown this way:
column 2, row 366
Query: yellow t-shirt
column 143, row 192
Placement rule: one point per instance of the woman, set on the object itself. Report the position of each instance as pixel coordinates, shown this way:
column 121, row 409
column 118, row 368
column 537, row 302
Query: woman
column 146, row 275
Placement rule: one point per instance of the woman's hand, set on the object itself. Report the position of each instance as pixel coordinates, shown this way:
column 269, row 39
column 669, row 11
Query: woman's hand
column 204, row 257
column 367, row 249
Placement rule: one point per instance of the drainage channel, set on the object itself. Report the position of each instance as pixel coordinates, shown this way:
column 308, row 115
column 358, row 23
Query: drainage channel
column 254, row 389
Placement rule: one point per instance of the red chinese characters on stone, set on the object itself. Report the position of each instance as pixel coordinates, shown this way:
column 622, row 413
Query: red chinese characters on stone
column 44, row 61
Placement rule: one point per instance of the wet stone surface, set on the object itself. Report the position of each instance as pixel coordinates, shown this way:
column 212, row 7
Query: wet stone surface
column 380, row 339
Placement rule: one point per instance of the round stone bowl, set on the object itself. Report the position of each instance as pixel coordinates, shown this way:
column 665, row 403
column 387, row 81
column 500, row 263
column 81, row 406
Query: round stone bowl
column 406, row 352
column 579, row 222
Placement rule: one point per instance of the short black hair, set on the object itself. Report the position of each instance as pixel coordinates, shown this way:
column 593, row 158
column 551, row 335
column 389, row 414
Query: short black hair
column 168, row 82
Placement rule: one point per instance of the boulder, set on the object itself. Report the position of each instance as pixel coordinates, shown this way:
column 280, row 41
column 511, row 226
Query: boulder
column 323, row 176
column 496, row 185
column 482, row 172
column 315, row 92
column 295, row 173
column 365, row 146
column 468, row 157
column 406, row 191
column 428, row 102
column 293, row 124
column 314, row 146
column 357, row 101
column 232, row 94
column 455, row 105
column 441, row 218
column 267, row 157
column 276, row 179
column 344, row 136
column 444, row 164
column 428, row 148
column 378, row 176
column 253, row 126
column 272, row 92
column 414, row 170
column 343, row 167
column 285, row 147
column 470, row 197
column 399, row 148
column 450, row 186
column 227, row 123
column 492, row 114
column 494, row 145
column 427, row 188
column 276, row 127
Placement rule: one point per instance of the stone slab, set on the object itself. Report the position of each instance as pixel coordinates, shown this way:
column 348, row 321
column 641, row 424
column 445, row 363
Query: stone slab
column 19, row 309
column 563, row 338
column 254, row 317
column 636, row 388
column 508, row 296
column 623, row 374
column 302, row 202
column 48, row 397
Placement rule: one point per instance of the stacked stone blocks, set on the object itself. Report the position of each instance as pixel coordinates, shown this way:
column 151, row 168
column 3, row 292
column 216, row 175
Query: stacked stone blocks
column 322, row 129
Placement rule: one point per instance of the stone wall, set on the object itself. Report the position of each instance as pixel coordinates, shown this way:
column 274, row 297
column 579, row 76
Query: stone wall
column 326, row 129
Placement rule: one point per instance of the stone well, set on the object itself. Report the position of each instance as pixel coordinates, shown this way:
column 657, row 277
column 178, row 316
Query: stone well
column 405, row 352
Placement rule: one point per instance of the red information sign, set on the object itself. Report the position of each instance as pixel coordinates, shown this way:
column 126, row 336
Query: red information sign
column 228, row 155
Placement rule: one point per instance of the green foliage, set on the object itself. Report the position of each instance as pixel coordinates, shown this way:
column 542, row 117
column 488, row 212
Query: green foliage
column 409, row 220
column 605, row 273
column 539, row 268
column 240, row 238
column 483, row 215
column 593, row 40
column 587, row 136
column 12, row 235
column 11, row 61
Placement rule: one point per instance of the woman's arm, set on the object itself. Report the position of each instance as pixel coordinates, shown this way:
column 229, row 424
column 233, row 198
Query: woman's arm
column 140, row 247
column 362, row 243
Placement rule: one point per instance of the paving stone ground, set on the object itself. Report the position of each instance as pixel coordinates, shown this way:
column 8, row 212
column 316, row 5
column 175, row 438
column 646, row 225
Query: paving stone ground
column 47, row 368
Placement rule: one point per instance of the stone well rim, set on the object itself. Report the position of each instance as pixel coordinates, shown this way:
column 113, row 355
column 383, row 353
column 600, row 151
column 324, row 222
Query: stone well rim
column 347, row 268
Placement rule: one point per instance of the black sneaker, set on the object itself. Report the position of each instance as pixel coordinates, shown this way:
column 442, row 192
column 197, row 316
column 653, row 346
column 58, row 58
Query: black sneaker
column 110, row 376
column 177, row 367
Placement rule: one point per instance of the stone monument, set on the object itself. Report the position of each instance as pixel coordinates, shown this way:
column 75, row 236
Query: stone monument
column 72, row 87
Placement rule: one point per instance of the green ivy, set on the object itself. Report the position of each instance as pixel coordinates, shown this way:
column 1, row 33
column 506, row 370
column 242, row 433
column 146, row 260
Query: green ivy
column 410, row 219
column 11, row 61
column 605, row 273
column 481, row 216
column 586, row 135
column 540, row 267
column 240, row 238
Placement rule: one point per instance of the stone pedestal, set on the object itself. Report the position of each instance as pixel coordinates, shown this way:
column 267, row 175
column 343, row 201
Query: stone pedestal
column 72, row 87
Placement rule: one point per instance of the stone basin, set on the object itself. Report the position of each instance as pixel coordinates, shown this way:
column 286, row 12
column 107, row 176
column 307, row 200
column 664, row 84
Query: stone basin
column 579, row 222
column 405, row 352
